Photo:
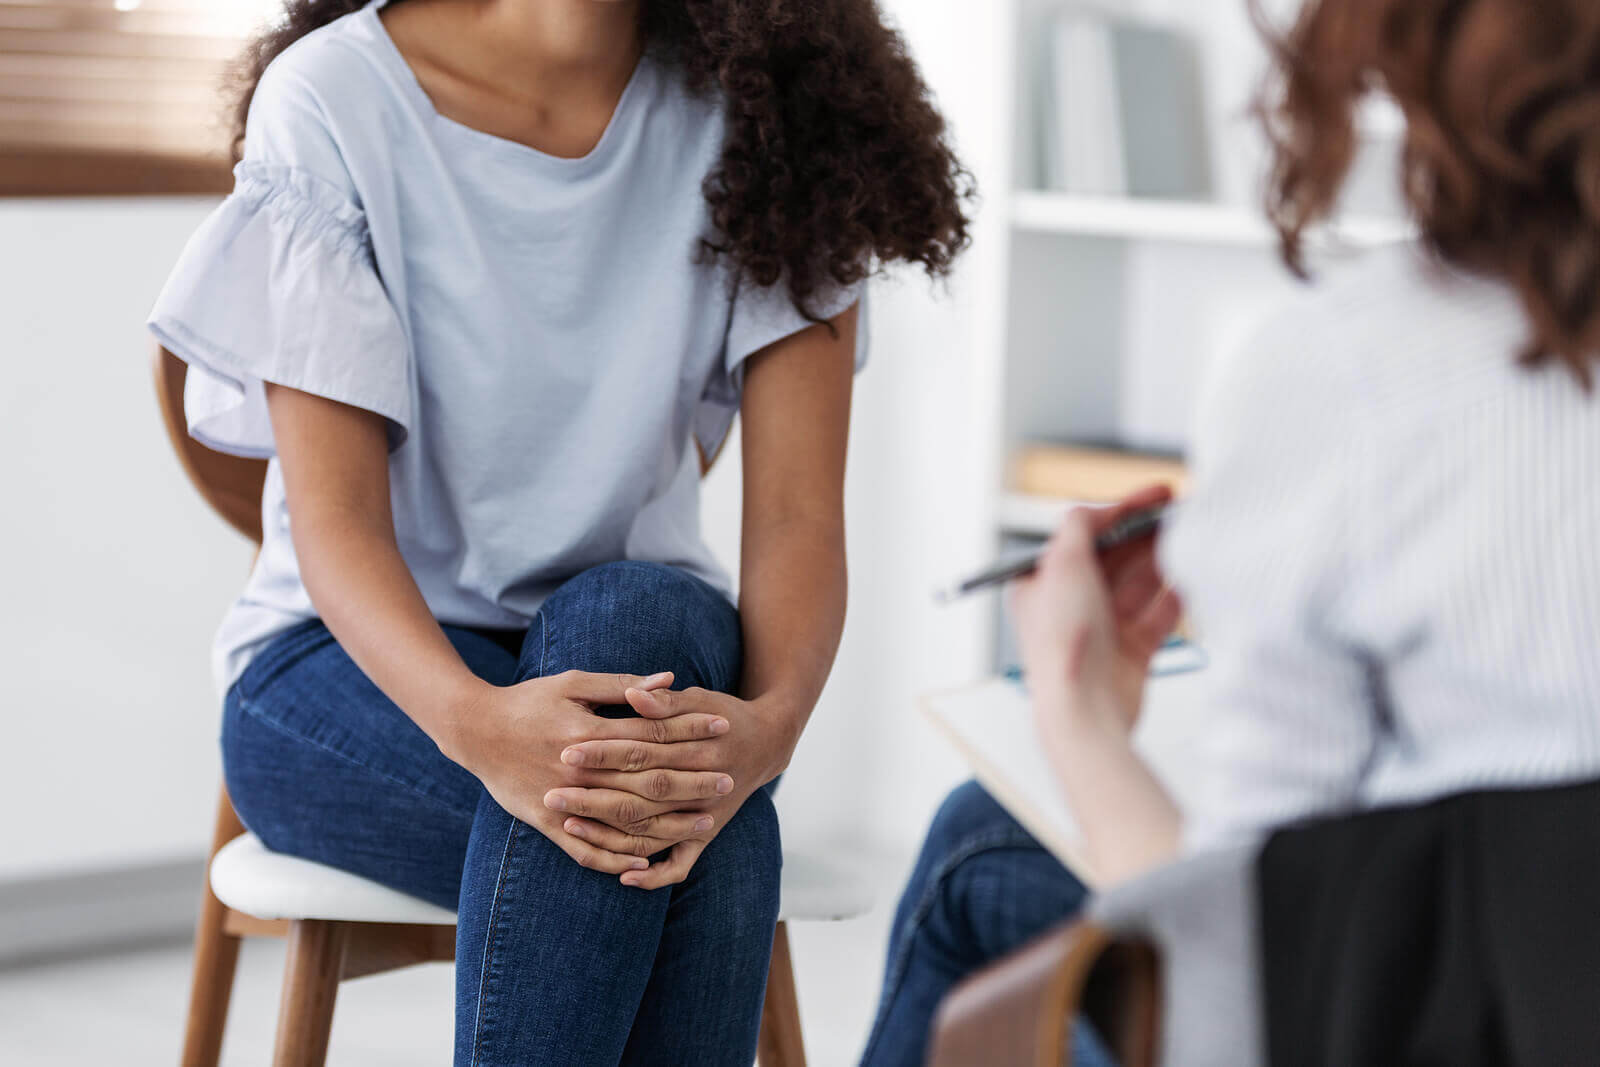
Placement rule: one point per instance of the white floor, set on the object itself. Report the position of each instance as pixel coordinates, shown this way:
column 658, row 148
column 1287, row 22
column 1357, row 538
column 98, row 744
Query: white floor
column 127, row 1009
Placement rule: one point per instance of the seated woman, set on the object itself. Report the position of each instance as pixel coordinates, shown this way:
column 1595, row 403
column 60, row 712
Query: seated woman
column 1391, row 539
column 495, row 278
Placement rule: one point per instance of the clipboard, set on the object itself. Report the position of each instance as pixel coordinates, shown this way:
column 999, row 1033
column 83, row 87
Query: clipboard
column 991, row 724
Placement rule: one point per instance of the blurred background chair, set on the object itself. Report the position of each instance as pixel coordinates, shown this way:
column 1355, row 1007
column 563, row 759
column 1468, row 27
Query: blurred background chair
column 340, row 926
column 1017, row 1012
column 1166, row 962
column 1460, row 931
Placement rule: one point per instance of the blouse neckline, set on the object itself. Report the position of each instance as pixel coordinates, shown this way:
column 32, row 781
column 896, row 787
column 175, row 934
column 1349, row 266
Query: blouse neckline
column 574, row 166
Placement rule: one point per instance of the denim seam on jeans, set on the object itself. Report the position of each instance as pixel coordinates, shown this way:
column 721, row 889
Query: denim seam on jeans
column 500, row 880
column 1007, row 838
column 488, row 940
column 410, row 787
column 544, row 639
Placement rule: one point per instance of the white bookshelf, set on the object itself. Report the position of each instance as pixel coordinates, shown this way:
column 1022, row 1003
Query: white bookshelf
column 1104, row 313
column 1024, row 515
column 1175, row 221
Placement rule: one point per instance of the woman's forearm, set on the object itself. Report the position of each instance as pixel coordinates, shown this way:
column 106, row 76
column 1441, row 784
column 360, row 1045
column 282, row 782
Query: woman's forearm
column 1129, row 821
column 336, row 477
column 792, row 603
column 367, row 597
column 792, row 561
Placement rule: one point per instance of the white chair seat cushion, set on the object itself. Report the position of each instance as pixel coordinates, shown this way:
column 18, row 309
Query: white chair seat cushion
column 814, row 889
column 248, row 877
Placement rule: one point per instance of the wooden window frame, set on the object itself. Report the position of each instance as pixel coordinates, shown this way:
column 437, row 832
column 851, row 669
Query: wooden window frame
column 77, row 163
column 28, row 172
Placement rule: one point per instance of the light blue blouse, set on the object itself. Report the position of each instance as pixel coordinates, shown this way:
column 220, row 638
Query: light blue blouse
column 537, row 331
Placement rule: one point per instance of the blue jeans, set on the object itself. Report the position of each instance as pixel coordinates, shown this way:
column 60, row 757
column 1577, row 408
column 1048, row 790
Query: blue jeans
column 981, row 888
column 555, row 964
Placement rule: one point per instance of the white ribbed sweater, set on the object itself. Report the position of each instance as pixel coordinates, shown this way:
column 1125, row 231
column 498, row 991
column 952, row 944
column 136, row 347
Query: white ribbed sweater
column 1392, row 547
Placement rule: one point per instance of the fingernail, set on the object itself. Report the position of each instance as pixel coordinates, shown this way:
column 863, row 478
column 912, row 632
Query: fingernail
column 556, row 802
column 572, row 757
column 724, row 784
column 656, row 679
column 640, row 864
column 702, row 824
column 719, row 726
column 573, row 827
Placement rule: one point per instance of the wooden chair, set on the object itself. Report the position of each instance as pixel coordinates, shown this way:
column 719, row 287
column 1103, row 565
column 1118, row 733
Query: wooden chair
column 340, row 926
column 1015, row 1012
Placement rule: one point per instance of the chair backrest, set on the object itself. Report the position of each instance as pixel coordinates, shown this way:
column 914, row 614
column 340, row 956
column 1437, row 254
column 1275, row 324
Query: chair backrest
column 1016, row 1012
column 230, row 484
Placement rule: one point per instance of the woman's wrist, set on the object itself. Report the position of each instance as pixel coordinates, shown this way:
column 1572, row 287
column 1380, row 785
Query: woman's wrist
column 1078, row 708
column 458, row 711
column 780, row 720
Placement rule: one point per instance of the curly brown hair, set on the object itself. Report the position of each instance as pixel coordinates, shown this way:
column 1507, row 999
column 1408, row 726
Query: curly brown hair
column 835, row 161
column 1501, row 159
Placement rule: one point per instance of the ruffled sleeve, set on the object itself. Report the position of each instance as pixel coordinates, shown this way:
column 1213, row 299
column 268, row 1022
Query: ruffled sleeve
column 759, row 317
column 279, row 285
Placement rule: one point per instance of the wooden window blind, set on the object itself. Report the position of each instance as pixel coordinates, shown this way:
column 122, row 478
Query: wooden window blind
column 119, row 96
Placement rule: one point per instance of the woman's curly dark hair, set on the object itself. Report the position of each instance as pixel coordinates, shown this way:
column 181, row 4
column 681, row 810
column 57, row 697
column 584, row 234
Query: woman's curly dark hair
column 1501, row 162
column 835, row 160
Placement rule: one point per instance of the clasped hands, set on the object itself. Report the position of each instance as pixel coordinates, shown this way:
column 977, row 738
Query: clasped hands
column 613, row 792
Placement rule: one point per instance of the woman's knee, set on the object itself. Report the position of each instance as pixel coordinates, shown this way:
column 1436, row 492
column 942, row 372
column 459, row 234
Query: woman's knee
column 755, row 827
column 753, row 833
column 745, row 862
column 969, row 812
column 968, row 823
column 632, row 617
column 983, row 885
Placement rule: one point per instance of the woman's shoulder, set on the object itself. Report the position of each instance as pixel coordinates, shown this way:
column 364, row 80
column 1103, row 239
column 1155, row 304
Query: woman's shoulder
column 682, row 111
column 1393, row 329
column 328, row 84
column 342, row 57
column 1392, row 297
column 324, row 109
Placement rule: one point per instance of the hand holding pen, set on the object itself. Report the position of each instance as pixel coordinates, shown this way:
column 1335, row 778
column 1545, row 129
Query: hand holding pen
column 1094, row 611
column 1129, row 524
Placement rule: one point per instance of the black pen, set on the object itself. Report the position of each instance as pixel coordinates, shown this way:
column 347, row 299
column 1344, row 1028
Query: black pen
column 1134, row 527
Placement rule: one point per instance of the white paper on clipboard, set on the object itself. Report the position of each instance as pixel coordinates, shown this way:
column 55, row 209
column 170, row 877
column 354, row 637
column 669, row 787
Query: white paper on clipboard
column 991, row 724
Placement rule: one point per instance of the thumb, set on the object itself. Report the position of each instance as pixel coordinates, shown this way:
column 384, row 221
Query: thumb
column 653, row 703
column 1072, row 546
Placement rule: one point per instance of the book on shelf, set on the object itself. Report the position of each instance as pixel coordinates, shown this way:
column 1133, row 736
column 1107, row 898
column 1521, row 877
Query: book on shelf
column 1091, row 475
column 1121, row 108
column 1083, row 125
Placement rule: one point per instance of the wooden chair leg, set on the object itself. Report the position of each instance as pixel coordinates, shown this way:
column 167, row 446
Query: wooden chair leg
column 216, row 954
column 781, row 1043
column 310, row 985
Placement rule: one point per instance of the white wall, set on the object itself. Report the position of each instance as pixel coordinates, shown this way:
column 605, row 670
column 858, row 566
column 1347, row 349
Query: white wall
column 115, row 574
